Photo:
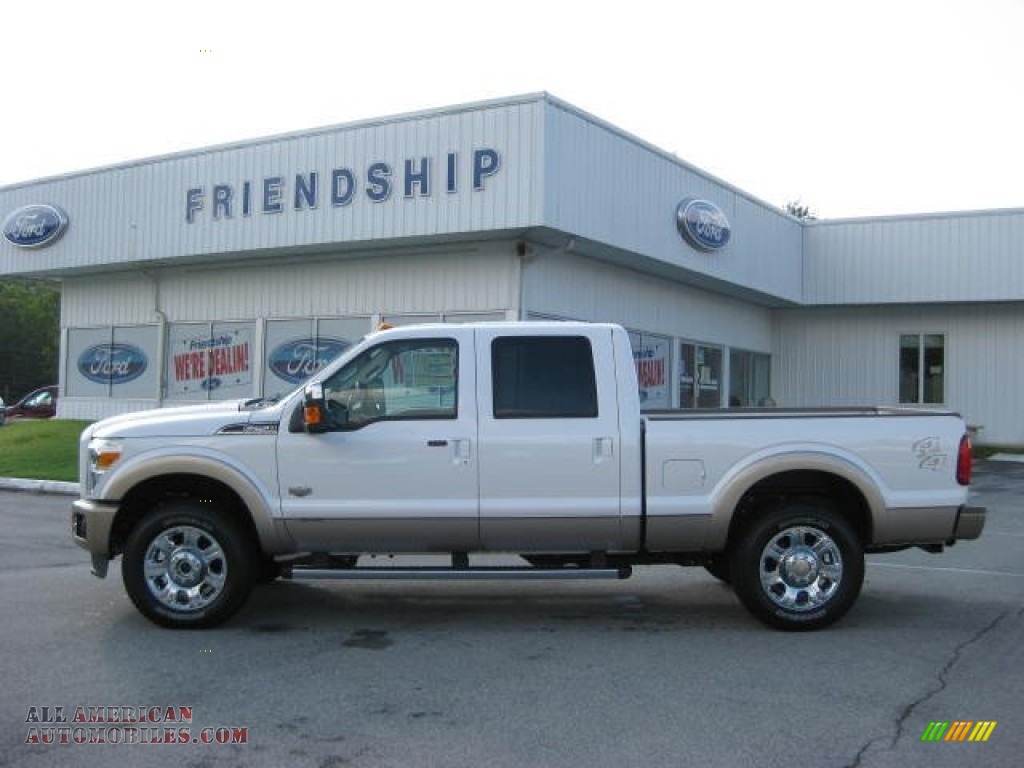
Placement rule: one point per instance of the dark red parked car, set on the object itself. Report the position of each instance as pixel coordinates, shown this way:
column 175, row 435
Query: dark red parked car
column 38, row 404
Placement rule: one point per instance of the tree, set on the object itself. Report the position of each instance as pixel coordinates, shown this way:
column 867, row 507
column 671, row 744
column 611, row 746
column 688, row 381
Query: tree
column 29, row 336
column 799, row 210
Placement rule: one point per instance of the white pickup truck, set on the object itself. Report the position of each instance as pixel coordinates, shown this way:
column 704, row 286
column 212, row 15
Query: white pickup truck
column 518, row 438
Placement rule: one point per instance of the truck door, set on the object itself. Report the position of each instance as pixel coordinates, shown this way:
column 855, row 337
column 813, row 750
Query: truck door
column 548, row 441
column 397, row 469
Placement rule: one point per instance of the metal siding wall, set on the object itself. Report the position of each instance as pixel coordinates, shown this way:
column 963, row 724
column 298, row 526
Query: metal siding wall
column 134, row 213
column 580, row 288
column 470, row 279
column 850, row 356
column 107, row 300
column 611, row 188
column 835, row 357
column 955, row 257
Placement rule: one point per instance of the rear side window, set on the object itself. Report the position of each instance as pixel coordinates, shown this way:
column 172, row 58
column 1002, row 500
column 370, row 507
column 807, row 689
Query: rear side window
column 543, row 377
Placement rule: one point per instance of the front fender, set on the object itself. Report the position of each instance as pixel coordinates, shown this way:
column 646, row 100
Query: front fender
column 257, row 498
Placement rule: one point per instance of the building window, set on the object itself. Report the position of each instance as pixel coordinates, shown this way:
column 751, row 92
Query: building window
column 209, row 361
column 297, row 349
column 922, row 368
column 653, row 360
column 749, row 379
column 118, row 361
column 700, row 376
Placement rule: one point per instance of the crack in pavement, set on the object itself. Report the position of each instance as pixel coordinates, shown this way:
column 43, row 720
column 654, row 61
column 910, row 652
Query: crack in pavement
column 943, row 682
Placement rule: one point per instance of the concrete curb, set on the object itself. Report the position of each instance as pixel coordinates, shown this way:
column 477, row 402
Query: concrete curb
column 38, row 486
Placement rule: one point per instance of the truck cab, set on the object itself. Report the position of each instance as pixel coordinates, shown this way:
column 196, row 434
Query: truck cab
column 466, row 438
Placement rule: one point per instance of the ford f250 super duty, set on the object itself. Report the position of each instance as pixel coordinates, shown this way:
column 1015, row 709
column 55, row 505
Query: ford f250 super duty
column 519, row 438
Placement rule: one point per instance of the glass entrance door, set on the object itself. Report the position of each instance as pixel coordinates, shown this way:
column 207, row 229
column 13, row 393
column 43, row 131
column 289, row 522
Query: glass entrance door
column 700, row 376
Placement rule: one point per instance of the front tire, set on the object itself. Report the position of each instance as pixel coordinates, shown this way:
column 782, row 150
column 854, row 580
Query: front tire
column 799, row 567
column 187, row 566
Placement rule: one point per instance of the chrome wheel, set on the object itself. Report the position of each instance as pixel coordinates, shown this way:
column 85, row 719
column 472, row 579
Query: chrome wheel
column 185, row 568
column 189, row 564
column 799, row 565
column 801, row 568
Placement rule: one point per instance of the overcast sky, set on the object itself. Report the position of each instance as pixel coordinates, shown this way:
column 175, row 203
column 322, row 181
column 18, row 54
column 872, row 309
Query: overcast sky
column 854, row 108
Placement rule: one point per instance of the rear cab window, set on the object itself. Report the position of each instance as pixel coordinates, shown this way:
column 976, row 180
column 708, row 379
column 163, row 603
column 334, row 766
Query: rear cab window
column 543, row 377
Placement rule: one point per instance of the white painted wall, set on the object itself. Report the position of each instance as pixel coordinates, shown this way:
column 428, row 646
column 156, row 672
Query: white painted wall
column 935, row 258
column 565, row 285
column 850, row 356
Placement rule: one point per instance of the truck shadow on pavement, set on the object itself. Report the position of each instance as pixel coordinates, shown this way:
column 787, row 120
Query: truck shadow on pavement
column 286, row 606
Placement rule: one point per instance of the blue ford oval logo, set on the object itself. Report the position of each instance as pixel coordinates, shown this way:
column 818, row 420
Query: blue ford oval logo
column 35, row 226
column 297, row 360
column 112, row 363
column 703, row 224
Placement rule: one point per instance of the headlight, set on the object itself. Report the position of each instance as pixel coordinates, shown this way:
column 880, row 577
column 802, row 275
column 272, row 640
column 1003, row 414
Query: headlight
column 103, row 454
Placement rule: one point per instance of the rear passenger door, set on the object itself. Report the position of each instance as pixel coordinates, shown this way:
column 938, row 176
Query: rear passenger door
column 548, row 441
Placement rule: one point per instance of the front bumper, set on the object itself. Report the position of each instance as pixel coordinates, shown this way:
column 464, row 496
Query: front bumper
column 969, row 523
column 91, row 522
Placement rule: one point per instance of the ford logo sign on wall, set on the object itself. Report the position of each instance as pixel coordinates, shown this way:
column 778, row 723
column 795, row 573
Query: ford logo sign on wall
column 112, row 363
column 35, row 226
column 703, row 224
column 295, row 361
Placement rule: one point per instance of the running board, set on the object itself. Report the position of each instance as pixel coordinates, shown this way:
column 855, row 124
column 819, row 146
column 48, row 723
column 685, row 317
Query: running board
column 457, row 574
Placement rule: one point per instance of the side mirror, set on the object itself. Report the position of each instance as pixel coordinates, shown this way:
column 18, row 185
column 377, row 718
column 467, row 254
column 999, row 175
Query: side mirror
column 314, row 409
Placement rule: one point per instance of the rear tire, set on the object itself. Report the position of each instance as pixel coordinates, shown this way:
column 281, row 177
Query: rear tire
column 799, row 567
column 188, row 566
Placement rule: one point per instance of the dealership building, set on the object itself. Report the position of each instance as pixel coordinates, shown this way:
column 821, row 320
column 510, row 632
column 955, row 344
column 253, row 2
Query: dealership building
column 237, row 270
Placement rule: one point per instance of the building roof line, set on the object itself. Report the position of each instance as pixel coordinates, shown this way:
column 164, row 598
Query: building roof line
column 305, row 133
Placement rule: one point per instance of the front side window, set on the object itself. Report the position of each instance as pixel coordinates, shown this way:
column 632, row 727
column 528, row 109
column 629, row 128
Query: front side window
column 922, row 368
column 395, row 381
column 543, row 377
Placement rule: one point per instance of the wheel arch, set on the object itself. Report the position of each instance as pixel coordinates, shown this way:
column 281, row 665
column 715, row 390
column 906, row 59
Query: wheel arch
column 852, row 492
column 200, row 478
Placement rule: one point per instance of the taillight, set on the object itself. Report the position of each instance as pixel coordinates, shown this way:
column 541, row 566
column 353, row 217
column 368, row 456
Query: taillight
column 964, row 462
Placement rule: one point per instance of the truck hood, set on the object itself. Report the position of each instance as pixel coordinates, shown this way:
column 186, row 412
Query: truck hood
column 185, row 421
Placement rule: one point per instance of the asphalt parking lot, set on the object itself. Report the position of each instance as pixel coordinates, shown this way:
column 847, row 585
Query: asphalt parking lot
column 665, row 669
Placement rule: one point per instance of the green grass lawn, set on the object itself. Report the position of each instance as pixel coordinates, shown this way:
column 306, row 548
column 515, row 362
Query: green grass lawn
column 40, row 450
